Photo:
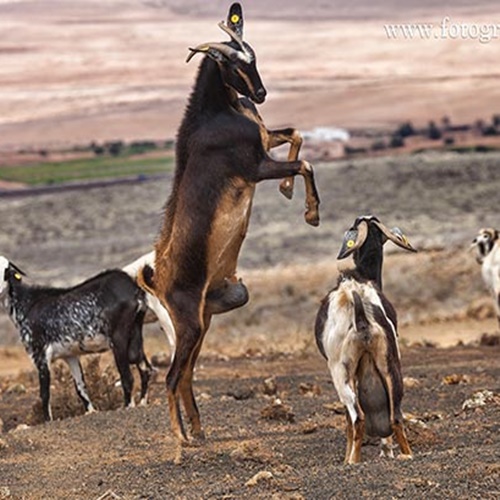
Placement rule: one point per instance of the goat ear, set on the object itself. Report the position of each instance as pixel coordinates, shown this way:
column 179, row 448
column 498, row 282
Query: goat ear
column 235, row 19
column 353, row 239
column 396, row 236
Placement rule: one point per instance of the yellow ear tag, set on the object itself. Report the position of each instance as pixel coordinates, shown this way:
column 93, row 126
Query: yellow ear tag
column 17, row 276
column 235, row 18
column 405, row 239
column 350, row 243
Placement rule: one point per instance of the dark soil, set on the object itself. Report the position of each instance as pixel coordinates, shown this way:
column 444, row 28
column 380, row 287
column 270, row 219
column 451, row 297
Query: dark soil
column 297, row 446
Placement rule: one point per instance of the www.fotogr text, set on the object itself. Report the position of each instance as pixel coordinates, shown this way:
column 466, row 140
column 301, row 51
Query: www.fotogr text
column 445, row 30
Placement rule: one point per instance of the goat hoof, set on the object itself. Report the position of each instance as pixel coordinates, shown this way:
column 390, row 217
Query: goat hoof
column 198, row 438
column 312, row 218
column 286, row 189
column 405, row 457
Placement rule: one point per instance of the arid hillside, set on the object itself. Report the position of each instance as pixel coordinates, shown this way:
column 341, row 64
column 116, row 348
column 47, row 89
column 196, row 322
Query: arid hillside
column 75, row 71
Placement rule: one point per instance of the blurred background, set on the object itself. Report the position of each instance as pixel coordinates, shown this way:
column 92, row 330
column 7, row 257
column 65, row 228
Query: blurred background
column 398, row 103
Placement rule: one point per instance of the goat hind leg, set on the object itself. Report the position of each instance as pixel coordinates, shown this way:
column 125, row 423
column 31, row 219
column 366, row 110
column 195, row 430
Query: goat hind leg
column 145, row 369
column 402, row 440
column 179, row 379
column 75, row 368
column 187, row 394
column 349, row 435
column 358, row 433
column 121, row 356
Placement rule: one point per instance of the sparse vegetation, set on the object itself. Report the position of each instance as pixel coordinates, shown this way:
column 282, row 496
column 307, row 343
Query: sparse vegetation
column 99, row 167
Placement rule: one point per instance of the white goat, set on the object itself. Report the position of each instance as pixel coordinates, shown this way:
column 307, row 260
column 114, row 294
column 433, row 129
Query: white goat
column 487, row 247
column 152, row 301
column 356, row 331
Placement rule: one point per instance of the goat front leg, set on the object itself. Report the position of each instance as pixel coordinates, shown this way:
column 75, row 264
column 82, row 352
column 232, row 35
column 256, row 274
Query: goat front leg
column 272, row 169
column 44, row 381
column 279, row 137
column 75, row 368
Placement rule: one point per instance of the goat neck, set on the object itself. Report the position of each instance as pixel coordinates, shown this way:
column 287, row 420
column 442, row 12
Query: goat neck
column 370, row 256
column 210, row 94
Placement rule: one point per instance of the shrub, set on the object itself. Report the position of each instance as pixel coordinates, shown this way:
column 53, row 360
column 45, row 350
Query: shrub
column 433, row 131
column 397, row 141
column 405, row 130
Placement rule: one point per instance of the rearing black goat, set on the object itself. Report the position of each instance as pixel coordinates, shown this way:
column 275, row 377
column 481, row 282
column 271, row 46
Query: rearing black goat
column 105, row 312
column 356, row 331
column 220, row 159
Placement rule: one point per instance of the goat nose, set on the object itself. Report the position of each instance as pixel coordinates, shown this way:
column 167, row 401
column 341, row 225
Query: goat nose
column 261, row 94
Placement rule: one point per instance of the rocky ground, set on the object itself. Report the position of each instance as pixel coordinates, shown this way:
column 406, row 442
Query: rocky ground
column 257, row 446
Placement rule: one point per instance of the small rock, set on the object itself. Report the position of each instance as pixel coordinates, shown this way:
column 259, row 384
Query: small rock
column 16, row 389
column 21, row 428
column 278, row 411
column 160, row 359
column 336, row 407
column 478, row 399
column 308, row 389
column 308, row 427
column 455, row 379
column 241, row 394
column 263, row 475
column 410, row 382
column 5, row 492
column 3, row 446
column 269, row 386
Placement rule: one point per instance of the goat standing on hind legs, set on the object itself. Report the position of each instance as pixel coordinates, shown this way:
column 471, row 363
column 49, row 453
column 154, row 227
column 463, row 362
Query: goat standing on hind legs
column 356, row 331
column 220, row 159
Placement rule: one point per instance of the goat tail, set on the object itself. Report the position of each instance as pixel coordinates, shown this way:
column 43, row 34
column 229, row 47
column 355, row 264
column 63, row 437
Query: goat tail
column 145, row 279
column 360, row 318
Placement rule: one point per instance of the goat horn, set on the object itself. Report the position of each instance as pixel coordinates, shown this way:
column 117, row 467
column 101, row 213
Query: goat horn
column 17, row 269
column 353, row 239
column 225, row 50
column 396, row 236
column 234, row 36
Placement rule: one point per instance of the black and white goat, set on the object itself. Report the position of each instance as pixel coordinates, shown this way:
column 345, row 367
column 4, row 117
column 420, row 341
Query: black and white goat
column 105, row 312
column 356, row 331
column 487, row 247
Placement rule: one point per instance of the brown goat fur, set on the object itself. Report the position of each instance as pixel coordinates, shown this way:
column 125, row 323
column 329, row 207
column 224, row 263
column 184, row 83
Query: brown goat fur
column 221, row 156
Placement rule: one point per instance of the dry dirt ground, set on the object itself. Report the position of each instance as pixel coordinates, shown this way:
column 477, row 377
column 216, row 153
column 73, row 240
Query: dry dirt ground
column 439, row 200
